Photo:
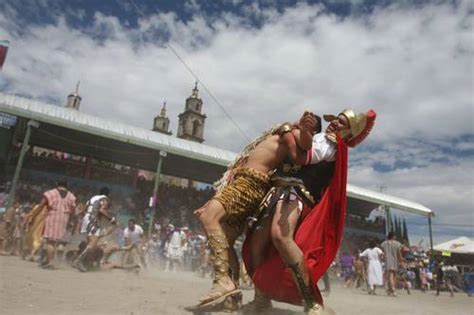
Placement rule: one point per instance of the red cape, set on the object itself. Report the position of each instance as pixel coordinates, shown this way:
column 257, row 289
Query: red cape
column 318, row 235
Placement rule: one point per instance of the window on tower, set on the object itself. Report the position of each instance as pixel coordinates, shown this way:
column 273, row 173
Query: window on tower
column 196, row 126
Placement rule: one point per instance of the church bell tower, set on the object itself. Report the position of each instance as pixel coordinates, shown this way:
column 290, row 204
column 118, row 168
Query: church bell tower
column 73, row 99
column 191, row 121
column 162, row 122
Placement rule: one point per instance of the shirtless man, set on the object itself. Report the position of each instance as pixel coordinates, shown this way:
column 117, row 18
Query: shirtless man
column 225, row 215
column 279, row 230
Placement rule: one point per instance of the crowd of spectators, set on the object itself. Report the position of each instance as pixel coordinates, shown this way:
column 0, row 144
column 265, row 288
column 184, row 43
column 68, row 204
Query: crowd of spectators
column 417, row 269
column 173, row 212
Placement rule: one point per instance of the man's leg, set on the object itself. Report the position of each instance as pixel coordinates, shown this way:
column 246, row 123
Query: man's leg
column 50, row 249
column 234, row 302
column 391, row 282
column 108, row 251
column 15, row 250
column 327, row 284
column 282, row 233
column 234, row 266
column 260, row 239
column 141, row 255
column 210, row 217
column 60, row 252
column 449, row 285
column 91, row 245
column 259, row 242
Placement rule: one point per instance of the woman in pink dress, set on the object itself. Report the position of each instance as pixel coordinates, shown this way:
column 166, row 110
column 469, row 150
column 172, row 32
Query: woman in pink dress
column 61, row 205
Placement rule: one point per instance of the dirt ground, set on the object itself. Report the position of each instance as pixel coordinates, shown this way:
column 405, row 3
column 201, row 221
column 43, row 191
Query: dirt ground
column 27, row 289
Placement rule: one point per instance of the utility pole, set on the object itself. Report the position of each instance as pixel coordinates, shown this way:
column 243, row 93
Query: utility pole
column 161, row 155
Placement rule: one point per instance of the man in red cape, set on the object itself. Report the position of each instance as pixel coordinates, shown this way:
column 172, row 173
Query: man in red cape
column 299, row 254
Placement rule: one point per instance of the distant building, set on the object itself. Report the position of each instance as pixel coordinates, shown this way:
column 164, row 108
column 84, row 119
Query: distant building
column 73, row 99
column 191, row 121
column 162, row 122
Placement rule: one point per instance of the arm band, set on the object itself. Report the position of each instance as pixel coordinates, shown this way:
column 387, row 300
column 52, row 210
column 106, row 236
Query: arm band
column 284, row 129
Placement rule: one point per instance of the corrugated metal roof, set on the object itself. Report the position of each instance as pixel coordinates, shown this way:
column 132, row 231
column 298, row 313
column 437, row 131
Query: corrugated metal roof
column 387, row 200
column 72, row 119
column 76, row 120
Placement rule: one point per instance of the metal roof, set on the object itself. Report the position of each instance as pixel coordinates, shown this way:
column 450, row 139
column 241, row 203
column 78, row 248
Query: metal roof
column 79, row 133
column 370, row 197
column 75, row 120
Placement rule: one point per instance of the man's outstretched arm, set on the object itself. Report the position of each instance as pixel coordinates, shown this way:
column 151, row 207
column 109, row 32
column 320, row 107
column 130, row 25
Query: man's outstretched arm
column 296, row 154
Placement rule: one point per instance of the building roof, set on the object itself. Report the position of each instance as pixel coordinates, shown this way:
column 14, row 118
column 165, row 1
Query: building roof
column 79, row 133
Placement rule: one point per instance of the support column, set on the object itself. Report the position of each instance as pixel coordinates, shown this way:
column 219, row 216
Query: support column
column 431, row 236
column 162, row 154
column 19, row 164
column 388, row 219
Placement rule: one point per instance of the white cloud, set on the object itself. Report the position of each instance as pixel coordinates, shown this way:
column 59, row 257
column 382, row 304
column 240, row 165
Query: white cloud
column 409, row 64
column 412, row 65
column 446, row 189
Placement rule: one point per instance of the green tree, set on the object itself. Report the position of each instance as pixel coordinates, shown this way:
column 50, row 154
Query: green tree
column 405, row 232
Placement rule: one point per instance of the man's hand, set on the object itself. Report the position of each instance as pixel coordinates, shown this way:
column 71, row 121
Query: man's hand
column 308, row 122
column 200, row 211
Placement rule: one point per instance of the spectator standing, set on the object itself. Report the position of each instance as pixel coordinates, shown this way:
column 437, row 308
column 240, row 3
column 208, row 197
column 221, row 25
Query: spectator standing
column 153, row 249
column 7, row 226
column 133, row 233
column 439, row 264
column 347, row 267
column 404, row 278
column 392, row 251
column 61, row 205
column 359, row 276
column 175, row 247
column 449, row 274
column 134, row 237
column 374, row 267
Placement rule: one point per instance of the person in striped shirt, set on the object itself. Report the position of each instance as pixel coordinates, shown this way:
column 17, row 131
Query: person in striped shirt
column 61, row 207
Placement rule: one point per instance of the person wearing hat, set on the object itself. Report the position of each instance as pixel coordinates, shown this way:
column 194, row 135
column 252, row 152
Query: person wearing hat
column 294, row 244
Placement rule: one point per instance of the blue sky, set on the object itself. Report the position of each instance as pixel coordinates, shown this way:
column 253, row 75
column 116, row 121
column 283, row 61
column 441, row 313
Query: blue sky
column 411, row 61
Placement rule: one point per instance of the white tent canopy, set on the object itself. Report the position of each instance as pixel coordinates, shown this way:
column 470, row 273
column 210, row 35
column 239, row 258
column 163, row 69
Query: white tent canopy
column 461, row 245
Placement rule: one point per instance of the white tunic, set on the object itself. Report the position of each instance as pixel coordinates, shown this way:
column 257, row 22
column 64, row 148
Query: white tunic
column 134, row 236
column 175, row 248
column 374, row 268
column 322, row 150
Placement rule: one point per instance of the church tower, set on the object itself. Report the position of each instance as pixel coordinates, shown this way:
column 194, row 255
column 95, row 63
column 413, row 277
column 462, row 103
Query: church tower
column 191, row 121
column 73, row 99
column 162, row 122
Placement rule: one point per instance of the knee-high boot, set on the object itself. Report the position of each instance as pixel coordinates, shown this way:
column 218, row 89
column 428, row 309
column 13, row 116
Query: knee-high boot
column 311, row 307
column 219, row 253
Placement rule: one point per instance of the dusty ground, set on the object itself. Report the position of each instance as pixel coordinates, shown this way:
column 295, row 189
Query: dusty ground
column 26, row 289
